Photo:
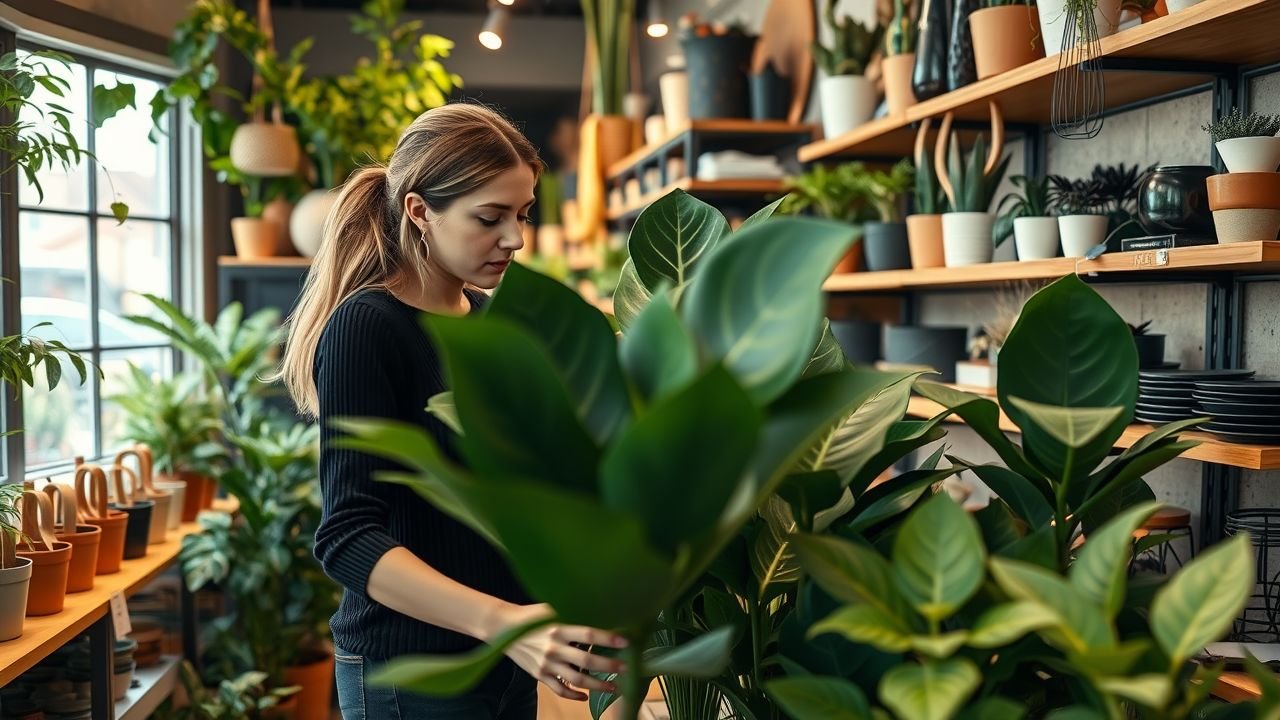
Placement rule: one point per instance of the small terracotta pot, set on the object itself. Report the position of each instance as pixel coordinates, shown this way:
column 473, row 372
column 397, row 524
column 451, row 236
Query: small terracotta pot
column 85, row 539
column 91, row 494
column 193, row 492
column 851, row 262
column 50, row 558
column 1245, row 190
column 148, row 491
column 287, row 710
column 924, row 237
column 316, row 681
column 897, row 71
column 279, row 211
column 210, row 493
column 616, row 136
column 254, row 238
column 1004, row 38
column 139, row 512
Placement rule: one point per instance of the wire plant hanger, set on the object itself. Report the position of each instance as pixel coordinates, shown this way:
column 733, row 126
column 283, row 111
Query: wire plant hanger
column 1079, row 88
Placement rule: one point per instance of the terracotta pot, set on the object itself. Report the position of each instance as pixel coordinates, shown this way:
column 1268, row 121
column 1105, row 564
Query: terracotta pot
column 615, row 139
column 316, row 681
column 147, row 491
column 897, row 82
column 15, row 583
column 84, row 539
column 254, row 238
column 91, row 493
column 194, row 496
column 210, row 493
column 50, row 558
column 1245, row 190
column 924, row 237
column 1156, row 12
column 286, row 710
column 279, row 211
column 851, row 262
column 1004, row 38
column 139, row 512
column 265, row 149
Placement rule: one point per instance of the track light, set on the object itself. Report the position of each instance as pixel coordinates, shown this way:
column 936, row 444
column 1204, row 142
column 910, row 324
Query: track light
column 508, row 3
column 657, row 26
column 495, row 27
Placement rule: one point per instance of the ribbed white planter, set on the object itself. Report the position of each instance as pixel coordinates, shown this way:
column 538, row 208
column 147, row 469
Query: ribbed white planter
column 1053, row 19
column 847, row 102
column 1036, row 237
column 1250, row 154
column 1081, row 233
column 306, row 225
column 966, row 238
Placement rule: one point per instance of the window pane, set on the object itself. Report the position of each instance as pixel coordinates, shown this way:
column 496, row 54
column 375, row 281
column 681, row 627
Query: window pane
column 156, row 362
column 136, row 167
column 54, row 255
column 62, row 190
column 133, row 258
column 60, row 424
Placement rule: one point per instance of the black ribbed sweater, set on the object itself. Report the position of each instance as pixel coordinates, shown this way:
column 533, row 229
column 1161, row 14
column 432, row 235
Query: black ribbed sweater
column 375, row 360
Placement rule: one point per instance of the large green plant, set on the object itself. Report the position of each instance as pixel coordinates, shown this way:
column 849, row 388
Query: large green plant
column 839, row 192
column 609, row 25
column 724, row 374
column 175, row 417
column 244, row 697
column 852, row 45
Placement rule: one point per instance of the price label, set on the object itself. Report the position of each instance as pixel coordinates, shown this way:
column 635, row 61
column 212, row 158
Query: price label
column 120, row 615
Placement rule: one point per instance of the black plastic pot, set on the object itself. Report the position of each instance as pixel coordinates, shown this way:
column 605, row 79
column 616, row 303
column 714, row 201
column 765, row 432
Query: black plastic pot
column 886, row 246
column 939, row 348
column 859, row 339
column 718, row 67
column 1150, row 350
column 770, row 95
column 139, row 528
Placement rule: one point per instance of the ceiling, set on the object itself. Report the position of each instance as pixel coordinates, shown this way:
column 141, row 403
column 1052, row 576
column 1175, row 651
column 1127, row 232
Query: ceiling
column 558, row 8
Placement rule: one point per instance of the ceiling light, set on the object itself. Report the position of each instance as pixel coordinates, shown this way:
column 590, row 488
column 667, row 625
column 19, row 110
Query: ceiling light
column 495, row 26
column 657, row 26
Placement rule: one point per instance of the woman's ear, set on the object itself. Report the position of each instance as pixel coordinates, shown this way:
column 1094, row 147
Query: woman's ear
column 417, row 210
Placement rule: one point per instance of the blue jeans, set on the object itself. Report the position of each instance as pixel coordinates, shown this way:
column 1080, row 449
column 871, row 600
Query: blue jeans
column 507, row 693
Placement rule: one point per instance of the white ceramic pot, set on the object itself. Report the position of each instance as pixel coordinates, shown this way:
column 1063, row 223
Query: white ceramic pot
column 847, row 102
column 1250, row 154
column 1176, row 5
column 1036, row 237
column 265, row 149
column 1053, row 20
column 1081, row 233
column 966, row 238
column 178, row 489
column 655, row 129
column 673, row 87
column 306, row 225
column 14, row 583
column 1246, row 224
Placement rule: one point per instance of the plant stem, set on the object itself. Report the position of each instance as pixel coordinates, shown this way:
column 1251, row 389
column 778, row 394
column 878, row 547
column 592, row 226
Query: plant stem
column 633, row 685
column 756, row 643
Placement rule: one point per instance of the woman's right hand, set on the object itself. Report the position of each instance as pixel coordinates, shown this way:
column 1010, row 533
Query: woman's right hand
column 552, row 656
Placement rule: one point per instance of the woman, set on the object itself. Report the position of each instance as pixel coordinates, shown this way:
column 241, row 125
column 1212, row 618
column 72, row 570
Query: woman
column 446, row 214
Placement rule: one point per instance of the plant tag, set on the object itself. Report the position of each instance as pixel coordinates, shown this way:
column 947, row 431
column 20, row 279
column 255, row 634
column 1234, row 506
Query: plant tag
column 120, row 615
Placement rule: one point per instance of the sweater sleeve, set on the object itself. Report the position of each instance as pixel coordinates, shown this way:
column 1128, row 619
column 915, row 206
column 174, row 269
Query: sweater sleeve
column 354, row 372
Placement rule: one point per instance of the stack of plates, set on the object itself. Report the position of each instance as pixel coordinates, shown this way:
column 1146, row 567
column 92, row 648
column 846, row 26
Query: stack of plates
column 1168, row 395
column 1243, row 410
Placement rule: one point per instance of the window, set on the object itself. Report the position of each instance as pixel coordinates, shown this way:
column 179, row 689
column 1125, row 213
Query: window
column 83, row 273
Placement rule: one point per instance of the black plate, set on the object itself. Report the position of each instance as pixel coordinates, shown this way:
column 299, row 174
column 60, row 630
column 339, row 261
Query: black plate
column 1185, row 375
column 1246, row 438
column 1231, row 397
column 1188, row 410
column 1161, row 418
column 1261, row 421
column 1234, row 408
column 1179, row 384
column 1271, row 387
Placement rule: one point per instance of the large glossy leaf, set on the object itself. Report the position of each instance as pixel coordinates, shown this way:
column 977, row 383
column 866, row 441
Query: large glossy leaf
column 1199, row 604
column 982, row 416
column 760, row 215
column 861, row 436
column 592, row 564
column 1103, row 563
column 630, row 296
column 866, row 625
column 940, row 646
column 1150, row 689
column 1081, row 625
column 1025, row 497
column 694, row 446
column 450, row 675
column 902, row 438
column 807, row 496
column 894, row 497
column 938, row 558
column 517, row 413
column 851, row 573
column 932, row 691
column 827, row 355
column 757, row 304
column 1074, row 427
column 1127, row 486
column 582, row 346
column 703, row 657
column 819, row 698
column 827, row 654
column 1006, row 623
column 1070, row 349
column 672, row 236
column 657, row 352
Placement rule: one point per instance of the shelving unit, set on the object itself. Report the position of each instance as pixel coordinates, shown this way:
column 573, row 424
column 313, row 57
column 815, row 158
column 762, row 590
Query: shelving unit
column 272, row 262
column 1210, row 449
column 1237, row 687
column 1177, row 53
column 706, row 189
column 154, row 685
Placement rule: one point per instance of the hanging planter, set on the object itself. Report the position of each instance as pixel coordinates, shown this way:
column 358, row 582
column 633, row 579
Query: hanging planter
column 265, row 149
column 15, row 583
column 147, row 491
column 1054, row 14
column 50, row 558
column 139, row 511
column 84, row 539
column 91, row 494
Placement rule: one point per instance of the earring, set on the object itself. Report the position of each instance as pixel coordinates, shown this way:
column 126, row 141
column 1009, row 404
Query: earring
column 425, row 245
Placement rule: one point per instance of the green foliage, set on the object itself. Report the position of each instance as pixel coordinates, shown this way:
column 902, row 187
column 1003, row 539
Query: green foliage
column 609, row 24
column 244, row 697
column 1033, row 201
column 973, row 186
column 929, row 198
column 50, row 141
column 176, row 417
column 22, row 355
column 1076, row 197
column 901, row 35
column 853, row 45
column 850, row 192
column 1238, row 124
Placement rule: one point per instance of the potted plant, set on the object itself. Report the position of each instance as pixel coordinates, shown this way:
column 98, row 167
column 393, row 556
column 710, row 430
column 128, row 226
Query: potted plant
column 50, row 558
column 848, row 98
column 1245, row 205
column 1150, row 346
column 1006, row 35
column 1029, row 219
column 244, row 697
column 1055, row 14
column 885, row 239
column 1118, row 187
column 970, row 184
column 924, row 225
column 1247, row 142
column 900, row 57
column 1081, row 222
column 15, row 572
column 836, row 193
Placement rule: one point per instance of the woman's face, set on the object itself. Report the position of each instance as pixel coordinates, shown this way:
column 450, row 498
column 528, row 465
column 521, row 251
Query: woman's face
column 475, row 238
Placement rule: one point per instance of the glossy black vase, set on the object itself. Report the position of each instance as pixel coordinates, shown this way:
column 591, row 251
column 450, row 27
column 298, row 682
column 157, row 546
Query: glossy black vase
column 961, row 69
column 929, row 76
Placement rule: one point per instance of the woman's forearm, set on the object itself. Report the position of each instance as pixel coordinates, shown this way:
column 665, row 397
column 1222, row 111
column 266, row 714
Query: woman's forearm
column 406, row 584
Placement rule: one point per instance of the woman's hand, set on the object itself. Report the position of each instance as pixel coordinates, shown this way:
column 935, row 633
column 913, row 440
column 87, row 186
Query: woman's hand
column 549, row 653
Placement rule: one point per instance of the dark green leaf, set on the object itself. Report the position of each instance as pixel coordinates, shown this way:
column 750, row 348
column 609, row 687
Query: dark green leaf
column 866, row 625
column 938, row 558
column 109, row 101
column 894, row 497
column 450, row 675
column 671, row 237
column 851, row 573
column 703, row 657
column 657, row 353
column 761, row 215
column 819, row 698
column 1006, row 623
column 1023, row 496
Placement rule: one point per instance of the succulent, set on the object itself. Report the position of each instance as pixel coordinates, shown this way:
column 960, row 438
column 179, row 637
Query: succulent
column 1033, row 201
column 972, row 184
column 852, row 46
column 1076, row 197
column 900, row 38
column 929, row 198
column 1238, row 124
column 1139, row 329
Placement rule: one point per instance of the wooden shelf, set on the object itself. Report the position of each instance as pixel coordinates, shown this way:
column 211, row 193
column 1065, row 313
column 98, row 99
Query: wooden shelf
column 1237, row 687
column 1234, row 257
column 727, row 127
column 1210, row 449
column 155, row 684
column 1186, row 43
column 701, row 188
column 234, row 261
column 43, row 635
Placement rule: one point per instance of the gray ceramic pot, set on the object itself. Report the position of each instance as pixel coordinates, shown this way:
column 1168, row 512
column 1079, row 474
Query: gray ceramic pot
column 859, row 339
column 886, row 246
column 937, row 347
